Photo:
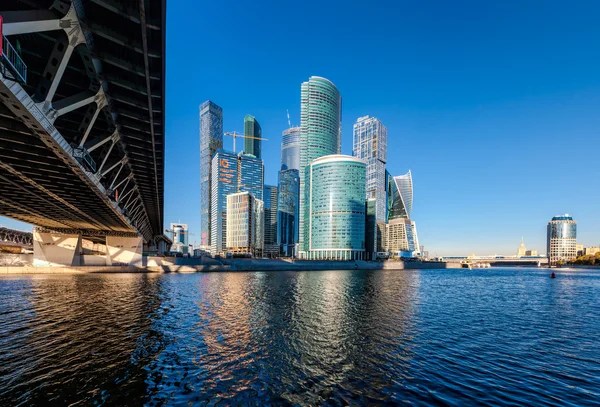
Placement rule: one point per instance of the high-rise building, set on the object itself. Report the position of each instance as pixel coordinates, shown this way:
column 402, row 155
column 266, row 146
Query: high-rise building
column 245, row 220
column 224, row 182
column 252, row 146
column 369, row 143
column 288, row 211
column 561, row 239
column 290, row 149
column 231, row 173
column 401, row 235
column 335, row 218
column 320, row 134
column 270, row 198
column 180, row 237
column 211, row 140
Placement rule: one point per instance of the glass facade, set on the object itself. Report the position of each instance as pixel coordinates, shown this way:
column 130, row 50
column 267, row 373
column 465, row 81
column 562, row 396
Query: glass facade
column 335, row 226
column 252, row 129
column 270, row 198
column 231, row 173
column 401, row 232
column 369, row 143
column 211, row 140
column 398, row 194
column 561, row 242
column 180, row 237
column 320, row 133
column 287, row 216
column 290, row 149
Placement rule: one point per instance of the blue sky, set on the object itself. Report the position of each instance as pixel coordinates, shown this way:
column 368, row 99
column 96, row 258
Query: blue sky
column 493, row 106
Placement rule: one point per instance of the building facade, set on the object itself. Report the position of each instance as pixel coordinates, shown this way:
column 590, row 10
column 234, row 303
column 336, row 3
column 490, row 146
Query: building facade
column 288, row 211
column 245, row 222
column 401, row 232
column 336, row 213
column 320, row 135
column 180, row 237
column 252, row 129
column 231, row 173
column 290, row 149
column 270, row 198
column 211, row 140
column 369, row 143
column 561, row 240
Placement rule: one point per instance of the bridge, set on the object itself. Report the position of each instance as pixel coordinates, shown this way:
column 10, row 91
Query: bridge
column 500, row 260
column 82, row 97
column 10, row 237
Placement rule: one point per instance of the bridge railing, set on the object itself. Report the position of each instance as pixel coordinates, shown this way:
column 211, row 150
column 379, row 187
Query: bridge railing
column 11, row 59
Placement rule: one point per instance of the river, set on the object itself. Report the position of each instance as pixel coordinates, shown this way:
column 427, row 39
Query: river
column 431, row 337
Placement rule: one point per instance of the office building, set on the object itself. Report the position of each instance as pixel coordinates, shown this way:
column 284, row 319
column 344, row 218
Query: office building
column 252, row 146
column 211, row 140
column 320, row 134
column 336, row 215
column 369, row 143
column 290, row 149
column 270, row 198
column 288, row 211
column 180, row 235
column 231, row 173
column 561, row 243
column 375, row 231
column 401, row 236
column 245, row 225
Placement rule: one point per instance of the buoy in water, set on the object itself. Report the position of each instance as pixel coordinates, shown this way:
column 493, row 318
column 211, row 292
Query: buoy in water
column 552, row 275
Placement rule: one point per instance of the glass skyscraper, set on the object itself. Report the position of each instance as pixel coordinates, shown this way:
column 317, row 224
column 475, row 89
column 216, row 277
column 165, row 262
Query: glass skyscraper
column 211, row 140
column 561, row 244
column 290, row 149
column 252, row 128
column 288, row 211
column 336, row 213
column 401, row 235
column 245, row 219
column 369, row 143
column 270, row 198
column 231, row 173
column 320, row 134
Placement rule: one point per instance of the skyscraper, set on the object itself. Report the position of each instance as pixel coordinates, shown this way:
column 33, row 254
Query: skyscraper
column 211, row 140
column 320, row 133
column 245, row 220
column 401, row 231
column 561, row 243
column 289, row 192
column 270, row 198
column 231, row 173
column 290, row 149
column 369, row 143
column 336, row 208
column 252, row 129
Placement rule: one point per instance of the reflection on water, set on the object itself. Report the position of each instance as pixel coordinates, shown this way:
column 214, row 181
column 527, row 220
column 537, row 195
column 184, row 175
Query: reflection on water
column 335, row 337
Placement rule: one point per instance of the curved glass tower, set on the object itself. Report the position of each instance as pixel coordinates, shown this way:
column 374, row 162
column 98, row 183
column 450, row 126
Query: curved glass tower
column 401, row 235
column 561, row 239
column 290, row 149
column 320, row 132
column 335, row 225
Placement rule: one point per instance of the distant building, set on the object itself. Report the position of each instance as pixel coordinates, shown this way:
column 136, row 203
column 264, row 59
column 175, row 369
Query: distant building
column 252, row 146
column 580, row 249
column 211, row 140
column 335, row 228
column 369, row 143
column 522, row 249
column 561, row 239
column 245, row 225
column 288, row 211
column 270, row 198
column 531, row 253
column 591, row 251
column 231, row 173
column 320, row 135
column 180, row 237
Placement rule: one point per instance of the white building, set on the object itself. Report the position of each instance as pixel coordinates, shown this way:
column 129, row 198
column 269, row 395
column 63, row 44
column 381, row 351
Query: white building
column 180, row 235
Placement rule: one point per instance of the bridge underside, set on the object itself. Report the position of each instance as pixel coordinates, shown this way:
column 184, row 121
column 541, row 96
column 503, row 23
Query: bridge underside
column 82, row 139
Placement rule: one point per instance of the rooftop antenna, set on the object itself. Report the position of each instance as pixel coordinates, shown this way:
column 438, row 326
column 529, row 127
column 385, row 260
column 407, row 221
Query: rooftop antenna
column 288, row 115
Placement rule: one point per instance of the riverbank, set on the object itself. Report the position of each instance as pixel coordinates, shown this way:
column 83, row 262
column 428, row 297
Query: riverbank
column 235, row 265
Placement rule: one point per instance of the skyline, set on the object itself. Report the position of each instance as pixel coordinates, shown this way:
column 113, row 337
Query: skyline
column 526, row 83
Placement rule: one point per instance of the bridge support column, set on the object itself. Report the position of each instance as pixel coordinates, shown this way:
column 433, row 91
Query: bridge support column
column 56, row 249
column 124, row 251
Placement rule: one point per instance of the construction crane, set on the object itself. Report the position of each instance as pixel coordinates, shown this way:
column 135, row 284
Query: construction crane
column 235, row 135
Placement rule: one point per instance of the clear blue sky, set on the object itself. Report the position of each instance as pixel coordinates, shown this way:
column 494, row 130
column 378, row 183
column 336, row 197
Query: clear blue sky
column 494, row 106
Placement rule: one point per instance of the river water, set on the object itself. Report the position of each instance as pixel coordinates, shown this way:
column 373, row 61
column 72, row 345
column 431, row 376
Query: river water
column 432, row 337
